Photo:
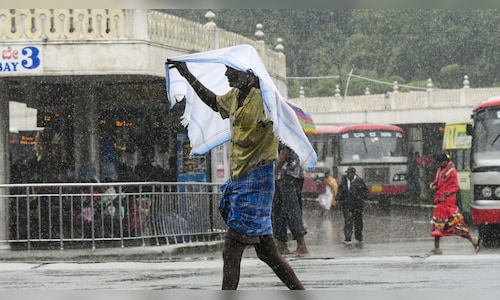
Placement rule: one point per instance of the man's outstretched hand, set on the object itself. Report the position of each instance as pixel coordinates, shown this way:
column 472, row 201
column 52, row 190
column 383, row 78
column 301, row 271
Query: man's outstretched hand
column 180, row 66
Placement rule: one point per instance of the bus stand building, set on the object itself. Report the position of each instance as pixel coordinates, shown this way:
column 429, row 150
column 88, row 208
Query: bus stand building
column 97, row 80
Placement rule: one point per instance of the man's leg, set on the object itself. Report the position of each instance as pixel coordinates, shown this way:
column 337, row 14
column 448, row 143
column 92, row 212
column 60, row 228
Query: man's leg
column 436, row 249
column 279, row 220
column 232, row 253
column 348, row 224
column 299, row 184
column 358, row 224
column 268, row 253
column 293, row 212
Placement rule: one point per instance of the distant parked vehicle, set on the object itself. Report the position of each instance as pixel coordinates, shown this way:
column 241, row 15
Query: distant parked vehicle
column 485, row 169
column 377, row 151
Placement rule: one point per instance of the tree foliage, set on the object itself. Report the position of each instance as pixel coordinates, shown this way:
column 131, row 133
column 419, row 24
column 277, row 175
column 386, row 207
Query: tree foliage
column 404, row 45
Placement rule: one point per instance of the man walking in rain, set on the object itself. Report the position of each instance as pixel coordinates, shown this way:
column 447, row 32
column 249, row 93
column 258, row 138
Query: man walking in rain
column 246, row 202
column 352, row 194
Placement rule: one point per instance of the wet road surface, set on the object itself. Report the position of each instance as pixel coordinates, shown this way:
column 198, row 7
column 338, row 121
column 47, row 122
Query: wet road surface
column 393, row 257
column 403, row 231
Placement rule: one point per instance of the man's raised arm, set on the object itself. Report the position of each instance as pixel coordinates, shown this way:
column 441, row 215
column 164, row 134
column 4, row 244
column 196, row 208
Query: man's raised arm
column 203, row 92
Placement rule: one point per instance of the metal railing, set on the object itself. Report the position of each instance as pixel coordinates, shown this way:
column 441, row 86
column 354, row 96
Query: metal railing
column 84, row 215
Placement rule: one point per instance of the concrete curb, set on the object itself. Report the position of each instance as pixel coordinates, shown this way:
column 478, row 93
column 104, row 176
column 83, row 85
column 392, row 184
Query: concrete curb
column 164, row 252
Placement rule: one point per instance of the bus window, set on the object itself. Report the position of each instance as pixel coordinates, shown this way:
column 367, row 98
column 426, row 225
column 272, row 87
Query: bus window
column 329, row 147
column 487, row 139
column 369, row 149
column 319, row 146
column 459, row 160
column 467, row 153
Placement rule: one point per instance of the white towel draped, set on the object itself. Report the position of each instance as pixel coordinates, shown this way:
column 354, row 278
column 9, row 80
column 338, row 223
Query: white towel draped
column 206, row 128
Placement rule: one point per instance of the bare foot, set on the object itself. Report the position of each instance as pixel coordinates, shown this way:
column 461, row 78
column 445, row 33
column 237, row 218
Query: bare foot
column 476, row 243
column 301, row 250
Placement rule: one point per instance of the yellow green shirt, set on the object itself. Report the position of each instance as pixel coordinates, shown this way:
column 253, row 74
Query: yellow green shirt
column 253, row 142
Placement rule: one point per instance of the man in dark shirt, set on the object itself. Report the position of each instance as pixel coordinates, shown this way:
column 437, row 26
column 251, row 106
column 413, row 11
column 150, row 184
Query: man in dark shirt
column 351, row 196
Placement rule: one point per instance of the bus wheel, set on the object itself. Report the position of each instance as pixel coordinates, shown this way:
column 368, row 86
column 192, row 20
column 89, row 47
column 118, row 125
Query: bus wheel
column 489, row 234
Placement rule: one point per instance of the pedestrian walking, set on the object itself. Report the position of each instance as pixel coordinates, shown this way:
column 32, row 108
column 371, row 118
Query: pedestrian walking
column 246, row 202
column 351, row 196
column 287, row 203
column 327, row 200
column 446, row 217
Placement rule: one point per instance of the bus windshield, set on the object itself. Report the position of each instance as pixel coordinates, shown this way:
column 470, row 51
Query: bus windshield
column 486, row 148
column 372, row 147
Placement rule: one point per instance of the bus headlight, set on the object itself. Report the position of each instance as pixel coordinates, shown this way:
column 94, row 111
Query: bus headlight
column 399, row 177
column 497, row 192
column 487, row 192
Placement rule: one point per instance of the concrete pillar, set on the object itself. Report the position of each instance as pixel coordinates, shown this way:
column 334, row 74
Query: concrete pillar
column 393, row 100
column 260, row 45
column 86, row 136
column 92, row 115
column 4, row 164
column 212, row 28
column 427, row 98
column 219, row 157
column 78, row 135
column 4, row 132
column 463, row 91
column 136, row 23
column 463, row 97
column 259, row 34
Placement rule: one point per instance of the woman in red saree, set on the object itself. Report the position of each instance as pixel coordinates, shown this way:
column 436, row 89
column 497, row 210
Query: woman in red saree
column 446, row 218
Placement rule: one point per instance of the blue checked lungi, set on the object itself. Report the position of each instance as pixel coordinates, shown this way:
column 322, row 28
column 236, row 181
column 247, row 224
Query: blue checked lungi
column 246, row 203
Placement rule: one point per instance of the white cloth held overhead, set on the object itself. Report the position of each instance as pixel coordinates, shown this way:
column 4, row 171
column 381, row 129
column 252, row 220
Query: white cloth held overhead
column 206, row 128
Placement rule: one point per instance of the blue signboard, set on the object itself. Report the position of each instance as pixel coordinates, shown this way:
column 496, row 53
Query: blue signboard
column 20, row 59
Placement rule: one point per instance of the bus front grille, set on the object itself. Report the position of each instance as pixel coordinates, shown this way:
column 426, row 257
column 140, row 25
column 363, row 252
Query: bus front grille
column 376, row 176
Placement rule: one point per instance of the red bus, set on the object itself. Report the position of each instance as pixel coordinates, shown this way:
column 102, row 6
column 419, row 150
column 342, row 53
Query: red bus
column 377, row 151
column 485, row 170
